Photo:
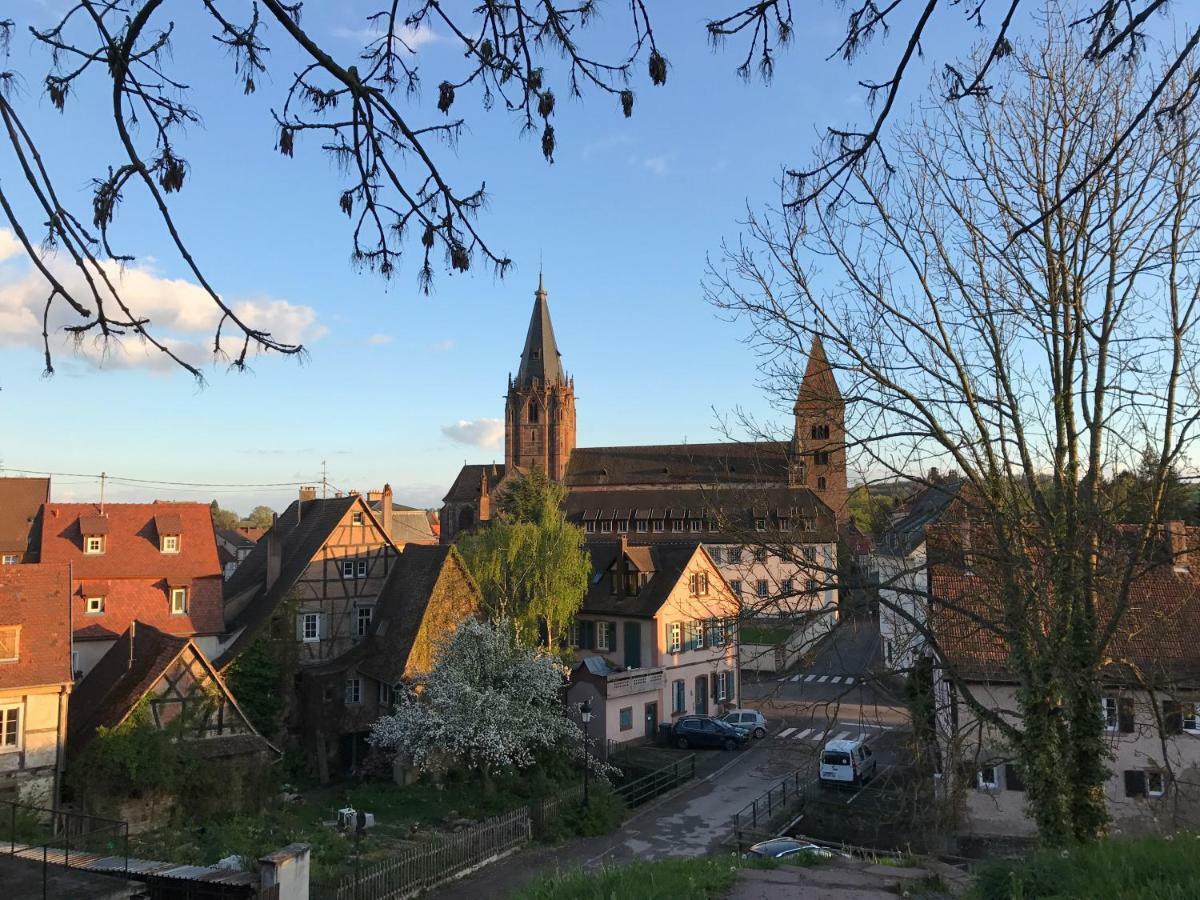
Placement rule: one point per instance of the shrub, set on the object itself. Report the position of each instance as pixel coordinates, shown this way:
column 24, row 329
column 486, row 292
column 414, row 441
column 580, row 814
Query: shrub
column 602, row 814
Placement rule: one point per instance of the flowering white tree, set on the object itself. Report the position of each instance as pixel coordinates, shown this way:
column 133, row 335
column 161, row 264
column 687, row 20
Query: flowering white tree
column 488, row 704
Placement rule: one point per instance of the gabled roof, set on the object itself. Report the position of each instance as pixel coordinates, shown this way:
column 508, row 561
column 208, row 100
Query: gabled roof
column 737, row 462
column 20, row 500
column 301, row 531
column 37, row 598
column 669, row 563
column 921, row 510
column 468, row 485
column 131, row 548
column 400, row 612
column 540, row 360
column 235, row 538
column 112, row 690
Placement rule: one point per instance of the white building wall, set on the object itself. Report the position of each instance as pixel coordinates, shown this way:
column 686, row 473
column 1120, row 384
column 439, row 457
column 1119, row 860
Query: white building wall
column 903, row 586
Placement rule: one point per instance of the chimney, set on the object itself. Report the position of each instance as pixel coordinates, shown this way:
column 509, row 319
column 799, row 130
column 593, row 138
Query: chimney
column 1177, row 544
column 132, row 640
column 385, row 509
column 274, row 557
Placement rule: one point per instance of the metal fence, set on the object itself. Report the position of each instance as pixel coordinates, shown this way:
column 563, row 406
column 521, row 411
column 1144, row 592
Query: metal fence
column 785, row 798
column 652, row 784
column 59, row 837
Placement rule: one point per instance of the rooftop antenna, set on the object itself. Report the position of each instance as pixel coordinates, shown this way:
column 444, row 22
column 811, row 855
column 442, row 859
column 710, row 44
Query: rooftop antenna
column 103, row 476
column 324, row 480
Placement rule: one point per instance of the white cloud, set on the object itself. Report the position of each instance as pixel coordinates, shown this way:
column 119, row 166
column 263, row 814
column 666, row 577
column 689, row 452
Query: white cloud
column 442, row 346
column 181, row 315
column 655, row 164
column 479, row 433
column 413, row 38
column 9, row 245
column 378, row 340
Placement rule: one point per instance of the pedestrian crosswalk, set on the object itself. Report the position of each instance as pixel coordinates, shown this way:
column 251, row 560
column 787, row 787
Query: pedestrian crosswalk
column 819, row 734
column 819, row 679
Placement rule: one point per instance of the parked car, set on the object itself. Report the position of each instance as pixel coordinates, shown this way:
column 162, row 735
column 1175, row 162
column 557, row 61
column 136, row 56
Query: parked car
column 706, row 731
column 847, row 762
column 750, row 719
column 783, row 848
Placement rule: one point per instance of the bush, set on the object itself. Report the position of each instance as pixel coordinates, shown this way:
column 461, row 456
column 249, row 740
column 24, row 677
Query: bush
column 602, row 814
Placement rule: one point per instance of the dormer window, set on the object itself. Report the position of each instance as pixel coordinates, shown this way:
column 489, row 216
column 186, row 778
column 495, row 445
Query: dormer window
column 641, row 526
column 9, row 643
column 169, row 543
column 697, row 525
column 657, row 525
column 93, row 544
column 179, row 597
column 760, row 524
column 94, row 606
column 677, row 524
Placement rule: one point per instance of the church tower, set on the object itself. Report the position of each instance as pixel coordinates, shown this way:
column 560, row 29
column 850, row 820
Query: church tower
column 539, row 413
column 818, row 457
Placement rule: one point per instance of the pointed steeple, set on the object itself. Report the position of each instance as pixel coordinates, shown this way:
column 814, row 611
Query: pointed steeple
column 540, row 359
column 819, row 384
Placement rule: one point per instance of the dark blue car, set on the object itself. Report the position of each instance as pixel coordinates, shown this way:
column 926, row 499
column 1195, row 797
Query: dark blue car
column 704, row 731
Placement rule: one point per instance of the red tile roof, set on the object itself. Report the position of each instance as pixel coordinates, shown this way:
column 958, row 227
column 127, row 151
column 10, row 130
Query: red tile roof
column 138, row 575
column 36, row 598
column 20, row 500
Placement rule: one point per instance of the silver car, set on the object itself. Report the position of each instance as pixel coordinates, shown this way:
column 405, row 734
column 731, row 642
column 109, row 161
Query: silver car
column 751, row 720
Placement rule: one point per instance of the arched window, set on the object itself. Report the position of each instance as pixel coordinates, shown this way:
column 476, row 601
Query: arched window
column 533, row 410
column 821, row 483
column 466, row 518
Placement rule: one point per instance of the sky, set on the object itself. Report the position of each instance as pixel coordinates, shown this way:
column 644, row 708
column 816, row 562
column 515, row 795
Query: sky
column 398, row 386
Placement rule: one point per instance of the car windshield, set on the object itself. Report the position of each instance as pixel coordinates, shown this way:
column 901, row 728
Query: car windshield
column 836, row 759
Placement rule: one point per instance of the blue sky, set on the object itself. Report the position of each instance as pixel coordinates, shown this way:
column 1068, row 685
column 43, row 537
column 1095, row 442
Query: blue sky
column 622, row 222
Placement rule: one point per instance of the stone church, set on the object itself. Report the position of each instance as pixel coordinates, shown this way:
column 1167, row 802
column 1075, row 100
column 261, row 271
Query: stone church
column 737, row 498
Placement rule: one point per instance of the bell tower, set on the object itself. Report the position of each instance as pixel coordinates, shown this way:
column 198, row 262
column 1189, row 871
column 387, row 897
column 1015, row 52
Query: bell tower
column 818, row 452
column 539, row 412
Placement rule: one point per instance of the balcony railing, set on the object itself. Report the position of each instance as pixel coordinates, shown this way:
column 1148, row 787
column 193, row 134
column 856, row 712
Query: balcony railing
column 635, row 681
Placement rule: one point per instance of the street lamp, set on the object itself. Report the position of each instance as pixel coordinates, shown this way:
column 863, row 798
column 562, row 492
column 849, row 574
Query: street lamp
column 585, row 714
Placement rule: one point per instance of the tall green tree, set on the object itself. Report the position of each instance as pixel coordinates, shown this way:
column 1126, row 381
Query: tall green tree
column 223, row 518
column 261, row 517
column 530, row 562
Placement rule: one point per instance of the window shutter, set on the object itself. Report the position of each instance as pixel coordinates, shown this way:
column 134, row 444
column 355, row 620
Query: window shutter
column 1125, row 715
column 299, row 626
column 730, row 696
column 1135, row 783
column 589, row 635
column 1172, row 717
column 1012, row 777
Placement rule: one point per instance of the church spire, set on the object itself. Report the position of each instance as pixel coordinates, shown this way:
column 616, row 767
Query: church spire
column 819, row 386
column 540, row 359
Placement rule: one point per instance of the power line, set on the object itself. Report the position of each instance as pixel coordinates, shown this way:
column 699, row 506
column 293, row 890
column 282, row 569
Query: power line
column 157, row 482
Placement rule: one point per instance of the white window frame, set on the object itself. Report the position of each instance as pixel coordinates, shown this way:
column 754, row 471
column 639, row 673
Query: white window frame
column 356, row 518
column 573, row 634
column 589, row 526
column 702, row 584
column 677, row 525
column 722, row 686
column 88, row 548
column 622, row 526
column 362, row 624
column 675, row 645
column 606, row 526
column 94, row 606
column 735, row 587
column 1110, row 713
column 8, row 711
column 1191, row 714
column 361, row 568
column 347, row 568
column 696, row 526
column 1162, row 782
column 179, row 594
column 712, row 525
column 602, row 636
column 353, row 696
column 305, row 619
column 760, row 524
column 16, row 631
column 169, row 543
column 985, row 784
column 641, row 526
column 763, row 590
column 657, row 525
column 387, row 694
column 10, row 559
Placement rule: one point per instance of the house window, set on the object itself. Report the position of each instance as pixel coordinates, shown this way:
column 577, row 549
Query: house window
column 604, row 634
column 787, row 585
column 622, row 526
column 353, row 691
column 675, row 639
column 657, row 526
column 169, row 543
column 361, row 568
column 736, row 586
column 310, row 627
column 678, row 697
column 821, row 458
column 627, row 718
column 677, row 524
column 784, row 523
column 605, row 526
column 712, row 524
column 641, row 526
column 356, row 518
column 716, row 633
column 573, row 634
column 95, row 605
column 762, row 588
column 722, row 685
column 810, row 554
column 702, row 584
column 693, row 636
column 760, row 555
column 1156, row 783
column 734, row 554
column 821, row 483
column 10, row 638
column 362, row 620
column 93, row 544
column 10, row 728
column 178, row 601
column 760, row 524
column 1191, row 718
column 812, row 585
column 347, row 568
column 9, row 559
column 1108, row 706
column 715, row 553
column 986, row 779
column 386, row 695
column 696, row 525
column 806, row 524
column 820, row 432
column 589, row 527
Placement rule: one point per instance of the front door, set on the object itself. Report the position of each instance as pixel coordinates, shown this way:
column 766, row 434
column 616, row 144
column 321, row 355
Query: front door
column 633, row 645
column 702, row 695
column 651, row 719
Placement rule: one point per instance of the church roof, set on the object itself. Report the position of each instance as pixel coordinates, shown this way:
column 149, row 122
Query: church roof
column 540, row 359
column 742, row 462
column 819, row 384
column 468, row 485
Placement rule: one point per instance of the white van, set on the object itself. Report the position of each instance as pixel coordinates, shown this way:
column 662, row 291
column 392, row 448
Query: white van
column 847, row 762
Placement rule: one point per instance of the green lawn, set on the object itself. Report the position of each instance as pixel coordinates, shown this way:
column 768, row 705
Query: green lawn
column 705, row 878
column 1159, row 868
column 773, row 635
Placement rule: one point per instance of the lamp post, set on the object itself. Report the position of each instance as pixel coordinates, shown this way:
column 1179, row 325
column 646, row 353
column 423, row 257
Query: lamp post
column 585, row 714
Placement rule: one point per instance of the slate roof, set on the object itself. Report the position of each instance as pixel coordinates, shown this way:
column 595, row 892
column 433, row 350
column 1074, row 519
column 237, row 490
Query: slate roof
column 735, row 510
column 819, row 385
column 20, row 501
column 742, row 462
column 922, row 509
column 1156, row 635
column 37, row 598
column 540, row 360
column 467, row 485
column 235, row 538
column 399, row 613
column 301, row 530
column 409, row 524
column 669, row 561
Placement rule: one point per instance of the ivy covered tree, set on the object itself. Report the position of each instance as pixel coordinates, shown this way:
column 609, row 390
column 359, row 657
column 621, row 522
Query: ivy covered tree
column 490, row 703
column 530, row 563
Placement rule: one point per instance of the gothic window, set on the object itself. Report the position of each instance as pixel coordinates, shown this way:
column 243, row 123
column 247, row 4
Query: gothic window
column 533, row 411
column 820, row 432
column 466, row 518
column 821, row 483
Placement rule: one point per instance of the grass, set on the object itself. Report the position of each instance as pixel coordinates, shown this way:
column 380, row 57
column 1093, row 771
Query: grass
column 703, row 878
column 1151, row 868
column 773, row 635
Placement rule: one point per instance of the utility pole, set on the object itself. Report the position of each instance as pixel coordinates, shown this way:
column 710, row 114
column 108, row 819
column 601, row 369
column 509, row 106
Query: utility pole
column 324, row 480
column 102, row 477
